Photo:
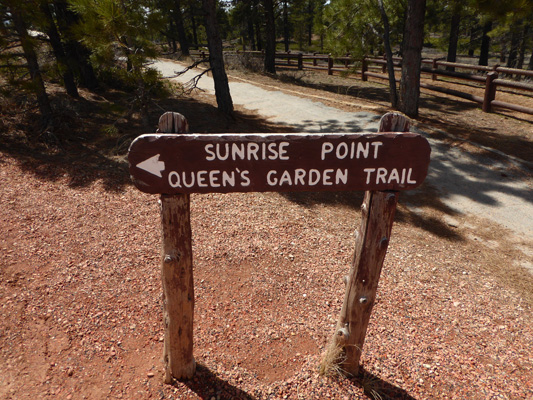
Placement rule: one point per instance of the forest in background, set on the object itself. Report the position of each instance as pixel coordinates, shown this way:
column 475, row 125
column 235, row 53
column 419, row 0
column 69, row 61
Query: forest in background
column 101, row 44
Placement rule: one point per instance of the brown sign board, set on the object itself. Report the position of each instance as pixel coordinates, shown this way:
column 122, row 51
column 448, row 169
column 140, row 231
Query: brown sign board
column 224, row 163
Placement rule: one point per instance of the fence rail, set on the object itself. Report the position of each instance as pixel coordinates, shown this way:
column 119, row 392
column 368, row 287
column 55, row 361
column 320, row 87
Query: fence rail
column 489, row 77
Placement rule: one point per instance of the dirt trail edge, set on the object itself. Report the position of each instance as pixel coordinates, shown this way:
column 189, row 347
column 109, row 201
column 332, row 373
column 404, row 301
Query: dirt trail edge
column 495, row 190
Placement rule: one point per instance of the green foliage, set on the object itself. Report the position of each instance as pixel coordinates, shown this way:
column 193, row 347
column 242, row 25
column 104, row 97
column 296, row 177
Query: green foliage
column 115, row 29
column 356, row 27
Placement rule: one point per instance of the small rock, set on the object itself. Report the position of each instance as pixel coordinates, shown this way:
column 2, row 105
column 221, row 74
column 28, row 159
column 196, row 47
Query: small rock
column 150, row 374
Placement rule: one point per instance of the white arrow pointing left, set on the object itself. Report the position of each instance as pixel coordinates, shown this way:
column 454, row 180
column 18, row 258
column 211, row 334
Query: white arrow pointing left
column 153, row 165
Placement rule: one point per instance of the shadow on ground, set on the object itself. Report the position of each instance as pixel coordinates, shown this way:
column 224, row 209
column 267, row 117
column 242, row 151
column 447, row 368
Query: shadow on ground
column 431, row 105
column 377, row 388
column 427, row 197
column 90, row 138
column 207, row 386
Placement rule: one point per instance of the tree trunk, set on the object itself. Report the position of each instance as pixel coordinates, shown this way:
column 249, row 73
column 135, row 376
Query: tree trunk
column 388, row 51
column 522, row 49
column 310, row 17
column 286, row 30
column 516, row 32
column 454, row 39
column 270, row 48
column 412, row 57
column 472, row 40
column 251, row 34
column 182, row 37
column 193, row 26
column 259, row 40
column 216, row 58
column 77, row 54
column 171, row 38
column 485, row 44
column 33, row 64
column 59, row 52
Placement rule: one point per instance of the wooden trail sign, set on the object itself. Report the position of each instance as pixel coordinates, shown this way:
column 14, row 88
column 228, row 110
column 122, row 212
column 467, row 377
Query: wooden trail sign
column 175, row 165
column 226, row 163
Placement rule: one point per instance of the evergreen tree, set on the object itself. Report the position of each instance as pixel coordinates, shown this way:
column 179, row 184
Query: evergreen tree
column 14, row 16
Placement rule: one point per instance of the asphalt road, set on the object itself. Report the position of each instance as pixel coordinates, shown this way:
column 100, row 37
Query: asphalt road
column 468, row 184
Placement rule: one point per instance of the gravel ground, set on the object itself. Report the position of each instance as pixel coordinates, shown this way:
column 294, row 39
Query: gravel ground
column 80, row 287
column 81, row 297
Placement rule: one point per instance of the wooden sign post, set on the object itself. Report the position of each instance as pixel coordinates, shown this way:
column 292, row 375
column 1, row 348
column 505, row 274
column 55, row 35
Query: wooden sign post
column 371, row 244
column 175, row 165
column 176, row 273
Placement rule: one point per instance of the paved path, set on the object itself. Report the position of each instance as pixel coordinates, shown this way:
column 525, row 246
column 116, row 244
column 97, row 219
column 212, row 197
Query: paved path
column 468, row 184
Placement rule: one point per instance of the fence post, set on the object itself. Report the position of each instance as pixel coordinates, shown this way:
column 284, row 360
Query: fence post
column 177, row 273
column 330, row 65
column 435, row 66
column 347, row 60
column 490, row 91
column 384, row 66
column 364, row 69
column 300, row 61
column 314, row 59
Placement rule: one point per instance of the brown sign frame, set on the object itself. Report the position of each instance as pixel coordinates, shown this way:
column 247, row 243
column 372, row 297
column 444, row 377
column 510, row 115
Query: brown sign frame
column 226, row 163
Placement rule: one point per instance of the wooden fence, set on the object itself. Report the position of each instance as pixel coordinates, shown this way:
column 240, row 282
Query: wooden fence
column 491, row 78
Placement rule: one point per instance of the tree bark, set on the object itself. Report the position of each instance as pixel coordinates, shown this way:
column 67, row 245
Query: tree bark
column 388, row 51
column 182, row 37
column 286, row 28
column 216, row 58
column 33, row 65
column 258, row 36
column 412, row 57
column 170, row 36
column 485, row 44
column 251, row 34
column 270, row 46
column 310, row 19
column 516, row 32
column 522, row 49
column 77, row 54
column 193, row 26
column 59, row 52
column 454, row 39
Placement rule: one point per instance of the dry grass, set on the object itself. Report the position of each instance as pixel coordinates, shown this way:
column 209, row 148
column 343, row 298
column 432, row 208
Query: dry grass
column 333, row 358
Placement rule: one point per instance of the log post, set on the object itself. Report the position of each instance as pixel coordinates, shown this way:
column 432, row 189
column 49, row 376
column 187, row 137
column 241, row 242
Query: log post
column 364, row 69
column 435, row 66
column 177, row 273
column 330, row 65
column 371, row 245
column 300, row 61
column 490, row 91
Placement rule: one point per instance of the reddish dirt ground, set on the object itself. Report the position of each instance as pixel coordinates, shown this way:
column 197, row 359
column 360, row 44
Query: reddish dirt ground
column 81, row 293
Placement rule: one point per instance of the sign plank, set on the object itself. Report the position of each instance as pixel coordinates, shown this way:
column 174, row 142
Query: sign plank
column 224, row 163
